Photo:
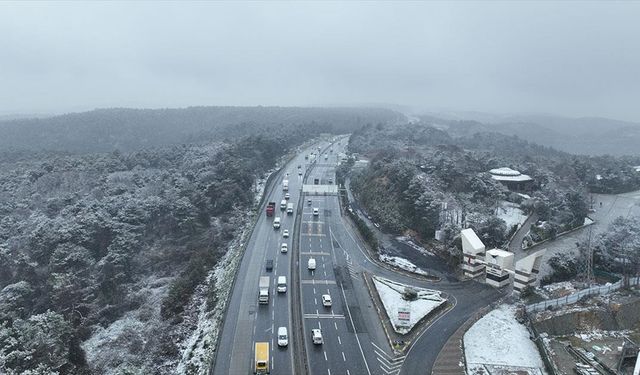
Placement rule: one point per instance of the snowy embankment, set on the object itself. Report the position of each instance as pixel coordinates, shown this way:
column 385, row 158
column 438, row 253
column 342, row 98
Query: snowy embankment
column 391, row 295
column 198, row 349
column 497, row 342
column 402, row 264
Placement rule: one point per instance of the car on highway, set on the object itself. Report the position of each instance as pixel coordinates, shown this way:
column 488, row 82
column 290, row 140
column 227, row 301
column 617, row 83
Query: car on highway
column 316, row 336
column 316, row 211
column 285, row 233
column 269, row 265
column 309, row 202
column 287, row 196
column 326, row 300
column 284, row 248
column 311, row 264
column 283, row 336
column 331, row 180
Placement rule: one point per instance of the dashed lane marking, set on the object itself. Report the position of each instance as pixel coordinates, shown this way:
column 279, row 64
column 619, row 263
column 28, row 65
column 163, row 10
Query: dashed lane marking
column 316, row 282
column 323, row 316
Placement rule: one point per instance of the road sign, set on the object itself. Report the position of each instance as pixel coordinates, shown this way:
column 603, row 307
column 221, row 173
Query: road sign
column 404, row 316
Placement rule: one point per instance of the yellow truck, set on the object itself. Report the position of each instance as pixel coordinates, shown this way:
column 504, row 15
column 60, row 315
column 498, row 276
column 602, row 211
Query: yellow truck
column 262, row 358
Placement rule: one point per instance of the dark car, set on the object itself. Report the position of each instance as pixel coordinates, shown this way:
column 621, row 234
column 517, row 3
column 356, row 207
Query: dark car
column 269, row 265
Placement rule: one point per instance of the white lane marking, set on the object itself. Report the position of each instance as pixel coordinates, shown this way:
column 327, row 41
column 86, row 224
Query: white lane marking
column 273, row 314
column 339, row 340
column 336, row 325
column 328, row 371
column 364, row 359
column 319, row 325
column 325, row 355
column 315, row 301
column 343, row 357
column 314, row 290
column 325, row 273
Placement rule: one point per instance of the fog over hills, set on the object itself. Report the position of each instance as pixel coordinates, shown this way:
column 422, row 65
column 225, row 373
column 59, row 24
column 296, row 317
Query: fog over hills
column 126, row 129
column 584, row 135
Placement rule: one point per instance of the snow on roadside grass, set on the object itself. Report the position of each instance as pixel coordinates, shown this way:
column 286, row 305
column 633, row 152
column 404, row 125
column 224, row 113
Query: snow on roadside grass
column 498, row 339
column 391, row 292
column 402, row 264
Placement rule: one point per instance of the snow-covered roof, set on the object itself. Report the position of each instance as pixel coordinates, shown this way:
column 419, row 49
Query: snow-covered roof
column 637, row 168
column 499, row 253
column 598, row 177
column 471, row 243
column 508, row 174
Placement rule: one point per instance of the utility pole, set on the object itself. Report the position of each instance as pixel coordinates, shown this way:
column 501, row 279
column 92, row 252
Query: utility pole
column 587, row 271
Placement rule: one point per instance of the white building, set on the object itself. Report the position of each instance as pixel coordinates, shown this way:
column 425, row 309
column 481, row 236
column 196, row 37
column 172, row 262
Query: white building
column 473, row 252
column 527, row 270
column 499, row 263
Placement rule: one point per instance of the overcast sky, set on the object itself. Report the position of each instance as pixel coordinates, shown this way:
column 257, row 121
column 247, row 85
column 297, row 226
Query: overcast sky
column 571, row 58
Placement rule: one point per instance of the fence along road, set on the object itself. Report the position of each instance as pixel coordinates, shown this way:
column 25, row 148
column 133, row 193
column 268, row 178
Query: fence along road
column 573, row 298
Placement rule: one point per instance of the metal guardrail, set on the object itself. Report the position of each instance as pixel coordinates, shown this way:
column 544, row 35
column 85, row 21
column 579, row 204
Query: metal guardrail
column 573, row 298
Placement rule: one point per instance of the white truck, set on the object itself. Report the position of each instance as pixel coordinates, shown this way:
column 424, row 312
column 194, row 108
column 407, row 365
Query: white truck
column 263, row 294
column 289, row 208
column 285, row 185
column 276, row 222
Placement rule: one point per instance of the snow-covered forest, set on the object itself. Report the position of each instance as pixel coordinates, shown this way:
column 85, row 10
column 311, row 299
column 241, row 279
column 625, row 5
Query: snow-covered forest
column 421, row 179
column 101, row 253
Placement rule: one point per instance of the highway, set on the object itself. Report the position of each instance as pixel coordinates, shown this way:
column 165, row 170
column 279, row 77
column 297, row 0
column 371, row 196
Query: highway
column 354, row 339
column 246, row 321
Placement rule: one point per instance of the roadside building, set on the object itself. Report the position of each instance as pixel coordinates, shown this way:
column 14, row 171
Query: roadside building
column 512, row 179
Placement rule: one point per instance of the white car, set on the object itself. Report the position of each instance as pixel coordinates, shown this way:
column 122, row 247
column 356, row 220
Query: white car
column 311, row 264
column 316, row 211
column 287, row 196
column 316, row 336
column 284, row 248
column 283, row 336
column 326, row 300
column 285, row 233
column 299, row 173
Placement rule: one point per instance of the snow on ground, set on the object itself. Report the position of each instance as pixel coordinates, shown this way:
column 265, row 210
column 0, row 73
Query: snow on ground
column 402, row 264
column 408, row 241
column 199, row 347
column 119, row 347
column 391, row 292
column 511, row 214
column 498, row 340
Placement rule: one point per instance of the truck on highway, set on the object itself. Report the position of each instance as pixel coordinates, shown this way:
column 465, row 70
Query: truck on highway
column 271, row 207
column 263, row 286
column 289, row 208
column 285, row 185
column 261, row 358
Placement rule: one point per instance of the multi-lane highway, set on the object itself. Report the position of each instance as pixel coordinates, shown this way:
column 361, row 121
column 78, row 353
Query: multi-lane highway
column 354, row 341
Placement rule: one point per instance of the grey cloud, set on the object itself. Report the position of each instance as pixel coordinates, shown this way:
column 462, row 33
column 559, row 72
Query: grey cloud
column 568, row 58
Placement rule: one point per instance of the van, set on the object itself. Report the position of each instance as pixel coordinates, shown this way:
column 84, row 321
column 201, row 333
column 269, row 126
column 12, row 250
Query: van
column 276, row 222
column 283, row 204
column 311, row 264
column 283, row 336
column 290, row 209
column 282, row 284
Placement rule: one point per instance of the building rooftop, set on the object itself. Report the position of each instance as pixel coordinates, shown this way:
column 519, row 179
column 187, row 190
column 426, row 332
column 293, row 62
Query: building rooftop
column 508, row 174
